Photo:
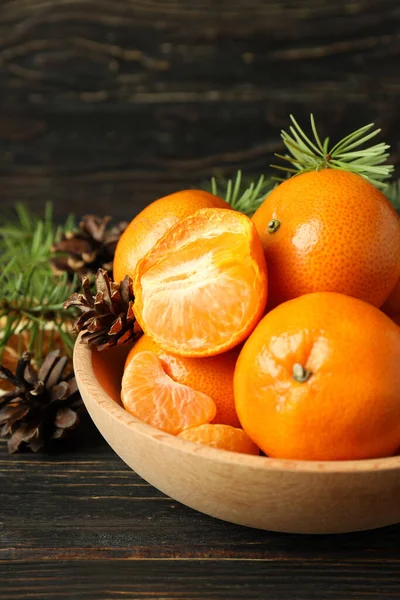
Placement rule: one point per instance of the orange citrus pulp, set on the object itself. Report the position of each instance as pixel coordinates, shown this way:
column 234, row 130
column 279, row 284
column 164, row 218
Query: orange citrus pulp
column 149, row 394
column 223, row 437
column 211, row 375
column 153, row 222
column 203, row 287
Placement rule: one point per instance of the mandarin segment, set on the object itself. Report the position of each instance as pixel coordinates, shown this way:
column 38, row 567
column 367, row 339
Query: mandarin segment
column 150, row 395
column 319, row 379
column 203, row 287
column 223, row 437
column 337, row 233
column 212, row 375
column 153, row 222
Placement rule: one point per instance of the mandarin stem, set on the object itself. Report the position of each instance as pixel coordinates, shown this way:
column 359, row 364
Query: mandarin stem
column 300, row 374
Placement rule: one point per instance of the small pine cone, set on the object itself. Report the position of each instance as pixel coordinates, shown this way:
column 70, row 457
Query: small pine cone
column 19, row 342
column 41, row 406
column 88, row 249
column 107, row 318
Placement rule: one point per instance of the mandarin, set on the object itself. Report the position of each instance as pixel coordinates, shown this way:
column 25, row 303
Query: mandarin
column 150, row 395
column 202, row 288
column 391, row 305
column 396, row 319
column 329, row 231
column 212, row 376
column 151, row 224
column 223, row 437
column 319, row 379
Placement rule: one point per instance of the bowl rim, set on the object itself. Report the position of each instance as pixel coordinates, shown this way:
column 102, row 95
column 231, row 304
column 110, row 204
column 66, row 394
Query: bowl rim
column 85, row 374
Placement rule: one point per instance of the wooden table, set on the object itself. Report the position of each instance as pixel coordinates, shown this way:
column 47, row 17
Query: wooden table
column 80, row 524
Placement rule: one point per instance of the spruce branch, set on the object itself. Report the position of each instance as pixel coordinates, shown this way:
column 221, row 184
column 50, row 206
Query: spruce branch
column 31, row 299
column 244, row 194
column 308, row 154
column 392, row 192
column 22, row 310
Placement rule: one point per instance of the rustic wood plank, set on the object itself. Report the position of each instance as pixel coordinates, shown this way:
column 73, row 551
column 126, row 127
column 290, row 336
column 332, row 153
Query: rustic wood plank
column 66, row 54
column 90, row 502
column 199, row 580
column 119, row 165
column 82, row 524
column 113, row 104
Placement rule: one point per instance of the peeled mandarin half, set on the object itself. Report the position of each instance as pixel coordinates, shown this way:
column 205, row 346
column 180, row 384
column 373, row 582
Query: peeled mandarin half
column 223, row 437
column 202, row 289
column 150, row 395
column 153, row 222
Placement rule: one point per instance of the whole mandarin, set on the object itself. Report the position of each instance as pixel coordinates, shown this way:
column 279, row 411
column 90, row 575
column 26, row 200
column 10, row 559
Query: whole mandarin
column 391, row 306
column 396, row 319
column 319, row 379
column 329, row 231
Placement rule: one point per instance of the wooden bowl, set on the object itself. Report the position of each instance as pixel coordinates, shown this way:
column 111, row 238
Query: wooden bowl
column 277, row 495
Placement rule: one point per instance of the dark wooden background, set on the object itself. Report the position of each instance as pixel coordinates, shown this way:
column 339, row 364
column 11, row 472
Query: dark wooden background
column 107, row 105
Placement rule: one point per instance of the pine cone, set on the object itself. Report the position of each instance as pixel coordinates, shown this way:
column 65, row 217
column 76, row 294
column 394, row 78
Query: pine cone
column 19, row 342
column 88, row 249
column 41, row 406
column 107, row 319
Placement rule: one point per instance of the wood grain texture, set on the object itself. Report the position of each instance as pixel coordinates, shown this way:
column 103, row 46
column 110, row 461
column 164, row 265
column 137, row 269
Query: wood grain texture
column 82, row 524
column 199, row 580
column 112, row 104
